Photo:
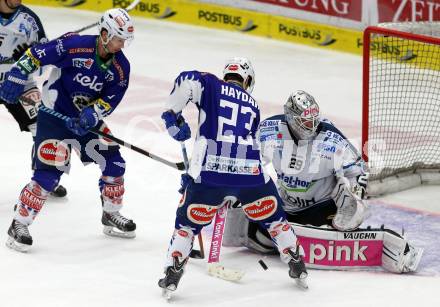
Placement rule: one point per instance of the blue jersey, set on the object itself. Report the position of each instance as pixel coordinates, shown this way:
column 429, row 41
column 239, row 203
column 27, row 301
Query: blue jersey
column 226, row 152
column 80, row 78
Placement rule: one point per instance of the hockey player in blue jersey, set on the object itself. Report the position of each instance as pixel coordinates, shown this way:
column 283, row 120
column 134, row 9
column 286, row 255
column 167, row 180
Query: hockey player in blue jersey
column 88, row 81
column 225, row 162
column 21, row 28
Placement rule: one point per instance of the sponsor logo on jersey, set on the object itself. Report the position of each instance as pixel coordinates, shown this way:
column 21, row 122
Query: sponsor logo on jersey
column 86, row 81
column 53, row 152
column 81, row 50
column 119, row 70
column 297, row 202
column 326, row 147
column 294, row 183
column 201, row 214
column 81, row 62
column 268, row 129
column 261, row 209
column 109, row 76
column 23, row 211
column 270, row 123
column 81, row 100
column 232, row 166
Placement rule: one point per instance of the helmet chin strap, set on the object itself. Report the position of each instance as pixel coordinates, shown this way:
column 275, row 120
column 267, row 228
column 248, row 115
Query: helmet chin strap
column 104, row 44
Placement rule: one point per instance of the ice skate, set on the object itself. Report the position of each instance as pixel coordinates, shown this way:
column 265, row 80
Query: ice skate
column 116, row 225
column 173, row 274
column 19, row 237
column 297, row 269
column 59, row 192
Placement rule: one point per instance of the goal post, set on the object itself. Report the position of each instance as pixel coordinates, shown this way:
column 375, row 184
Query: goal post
column 401, row 105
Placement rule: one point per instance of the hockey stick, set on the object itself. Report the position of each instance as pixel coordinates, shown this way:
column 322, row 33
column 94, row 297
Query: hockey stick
column 179, row 165
column 10, row 60
column 127, row 9
column 214, row 267
column 196, row 254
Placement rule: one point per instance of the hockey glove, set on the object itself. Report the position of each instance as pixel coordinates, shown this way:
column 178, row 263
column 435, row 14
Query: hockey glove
column 177, row 128
column 185, row 179
column 19, row 51
column 87, row 119
column 13, row 86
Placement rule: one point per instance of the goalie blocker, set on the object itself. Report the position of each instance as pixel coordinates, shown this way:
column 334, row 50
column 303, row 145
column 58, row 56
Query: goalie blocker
column 327, row 248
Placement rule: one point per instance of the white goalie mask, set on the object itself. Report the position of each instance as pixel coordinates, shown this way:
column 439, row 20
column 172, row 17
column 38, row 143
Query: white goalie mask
column 302, row 115
column 117, row 23
column 243, row 68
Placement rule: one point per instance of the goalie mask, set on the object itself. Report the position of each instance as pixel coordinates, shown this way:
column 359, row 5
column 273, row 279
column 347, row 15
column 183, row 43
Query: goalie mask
column 118, row 24
column 243, row 68
column 302, row 115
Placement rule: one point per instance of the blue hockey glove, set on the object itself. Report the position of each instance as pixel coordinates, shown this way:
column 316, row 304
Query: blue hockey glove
column 13, row 86
column 185, row 179
column 87, row 119
column 176, row 126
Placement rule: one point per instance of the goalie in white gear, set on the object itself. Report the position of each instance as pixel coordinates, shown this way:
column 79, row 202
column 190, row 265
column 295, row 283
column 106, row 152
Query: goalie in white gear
column 320, row 175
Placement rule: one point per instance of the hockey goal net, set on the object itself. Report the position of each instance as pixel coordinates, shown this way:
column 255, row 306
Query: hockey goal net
column 401, row 105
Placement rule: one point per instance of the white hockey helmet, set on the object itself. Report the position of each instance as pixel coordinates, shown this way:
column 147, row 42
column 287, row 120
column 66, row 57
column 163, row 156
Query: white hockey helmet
column 117, row 23
column 243, row 68
column 302, row 115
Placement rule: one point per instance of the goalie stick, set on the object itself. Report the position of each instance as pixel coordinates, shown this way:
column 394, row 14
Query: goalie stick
column 10, row 60
column 179, row 165
column 214, row 267
column 196, row 254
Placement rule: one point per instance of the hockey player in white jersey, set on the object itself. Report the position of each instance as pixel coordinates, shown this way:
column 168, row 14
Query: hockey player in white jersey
column 322, row 181
column 20, row 28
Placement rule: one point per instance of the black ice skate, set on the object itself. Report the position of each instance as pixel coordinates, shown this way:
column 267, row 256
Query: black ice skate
column 116, row 225
column 173, row 274
column 297, row 269
column 59, row 192
column 19, row 237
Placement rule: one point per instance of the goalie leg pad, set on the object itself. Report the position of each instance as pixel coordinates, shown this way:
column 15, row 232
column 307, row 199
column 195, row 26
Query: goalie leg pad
column 398, row 255
column 31, row 201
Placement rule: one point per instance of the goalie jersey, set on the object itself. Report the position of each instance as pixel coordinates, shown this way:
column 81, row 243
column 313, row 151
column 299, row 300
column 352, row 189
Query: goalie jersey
column 226, row 153
column 22, row 27
column 306, row 169
column 79, row 78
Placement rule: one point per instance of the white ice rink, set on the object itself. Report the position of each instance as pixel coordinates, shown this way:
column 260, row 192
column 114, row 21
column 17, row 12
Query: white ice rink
column 73, row 264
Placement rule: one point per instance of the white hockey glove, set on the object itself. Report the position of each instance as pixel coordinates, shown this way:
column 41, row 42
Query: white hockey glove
column 359, row 186
column 351, row 210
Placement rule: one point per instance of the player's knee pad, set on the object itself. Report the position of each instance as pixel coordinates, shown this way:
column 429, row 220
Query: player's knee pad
column 181, row 245
column 47, row 179
column 112, row 193
column 264, row 209
column 30, row 202
column 114, row 165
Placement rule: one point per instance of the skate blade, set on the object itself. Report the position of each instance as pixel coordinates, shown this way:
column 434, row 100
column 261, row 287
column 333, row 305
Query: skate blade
column 219, row 271
column 302, row 281
column 113, row 232
column 167, row 292
column 12, row 244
